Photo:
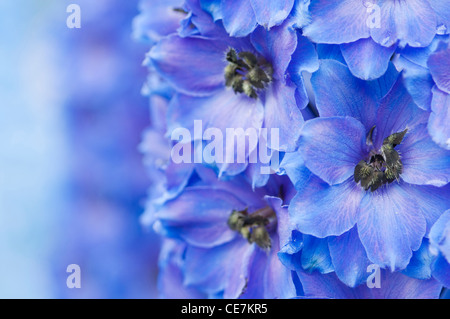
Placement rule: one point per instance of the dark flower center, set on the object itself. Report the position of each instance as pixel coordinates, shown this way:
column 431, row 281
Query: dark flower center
column 382, row 167
column 246, row 73
column 254, row 226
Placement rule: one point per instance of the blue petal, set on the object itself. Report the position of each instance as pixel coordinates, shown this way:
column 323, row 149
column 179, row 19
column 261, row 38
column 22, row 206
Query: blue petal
column 414, row 22
column 417, row 80
column 329, row 26
column 393, row 286
column 443, row 11
column 397, row 111
column 440, row 234
column 439, row 65
column 339, row 93
column 157, row 19
column 349, row 258
column 199, row 216
column 431, row 200
column 424, row 162
column 438, row 127
column 390, row 226
column 294, row 167
column 332, row 147
column 366, row 59
column 238, row 17
column 192, row 65
column 420, row 264
column 315, row 255
column 206, row 269
column 282, row 114
column 441, row 271
column 278, row 281
column 270, row 13
column 276, row 46
column 322, row 210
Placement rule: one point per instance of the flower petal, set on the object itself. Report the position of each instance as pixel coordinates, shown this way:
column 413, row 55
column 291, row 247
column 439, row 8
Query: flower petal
column 390, row 226
column 439, row 65
column 438, row 126
column 328, row 26
column 412, row 21
column 238, row 17
column 366, row 59
column 192, row 65
column 349, row 258
column 339, row 93
column 322, row 210
column 332, row 147
column 424, row 162
column 271, row 13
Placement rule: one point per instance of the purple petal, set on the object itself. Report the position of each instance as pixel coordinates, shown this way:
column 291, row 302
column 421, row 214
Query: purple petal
column 390, row 226
column 366, row 59
column 424, row 162
column 332, row 147
column 328, row 26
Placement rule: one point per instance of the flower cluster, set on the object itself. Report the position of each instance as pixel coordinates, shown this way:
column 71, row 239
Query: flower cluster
column 353, row 98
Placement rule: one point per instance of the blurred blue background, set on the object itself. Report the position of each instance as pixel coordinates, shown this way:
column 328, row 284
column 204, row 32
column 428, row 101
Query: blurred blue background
column 72, row 183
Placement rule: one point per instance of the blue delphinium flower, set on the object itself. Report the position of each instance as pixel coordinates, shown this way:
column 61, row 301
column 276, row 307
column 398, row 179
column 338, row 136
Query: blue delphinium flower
column 250, row 82
column 368, row 32
column 232, row 236
column 440, row 243
column 368, row 162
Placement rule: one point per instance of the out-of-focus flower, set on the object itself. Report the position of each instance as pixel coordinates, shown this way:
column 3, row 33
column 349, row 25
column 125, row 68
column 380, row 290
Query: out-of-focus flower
column 232, row 236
